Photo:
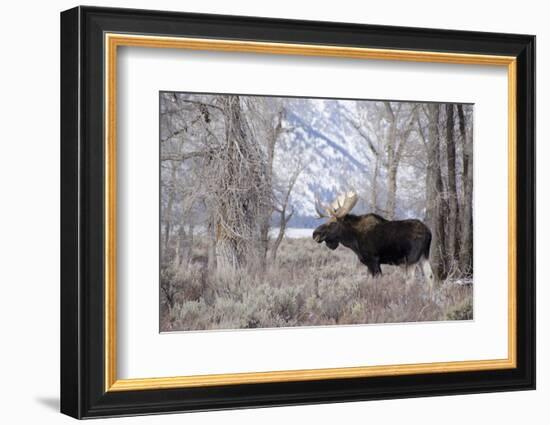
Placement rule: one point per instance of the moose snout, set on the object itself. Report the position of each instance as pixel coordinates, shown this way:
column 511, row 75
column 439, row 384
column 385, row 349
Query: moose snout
column 317, row 236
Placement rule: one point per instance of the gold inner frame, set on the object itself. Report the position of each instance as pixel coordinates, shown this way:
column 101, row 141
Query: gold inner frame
column 113, row 41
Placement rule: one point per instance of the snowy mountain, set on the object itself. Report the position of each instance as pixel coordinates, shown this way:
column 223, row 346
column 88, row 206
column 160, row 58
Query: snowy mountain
column 322, row 141
column 335, row 158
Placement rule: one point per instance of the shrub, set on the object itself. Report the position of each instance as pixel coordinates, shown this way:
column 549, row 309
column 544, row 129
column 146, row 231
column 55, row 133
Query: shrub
column 308, row 285
column 462, row 311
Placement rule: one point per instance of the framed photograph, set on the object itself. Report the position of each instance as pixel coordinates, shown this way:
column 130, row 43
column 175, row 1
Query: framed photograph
column 261, row 212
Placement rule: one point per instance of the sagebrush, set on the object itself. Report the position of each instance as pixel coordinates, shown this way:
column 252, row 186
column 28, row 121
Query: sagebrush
column 308, row 285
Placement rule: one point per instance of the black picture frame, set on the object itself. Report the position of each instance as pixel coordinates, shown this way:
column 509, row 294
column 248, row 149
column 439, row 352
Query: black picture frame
column 83, row 392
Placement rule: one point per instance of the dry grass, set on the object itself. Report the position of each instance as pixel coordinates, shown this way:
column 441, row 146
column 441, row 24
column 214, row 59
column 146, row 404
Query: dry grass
column 310, row 285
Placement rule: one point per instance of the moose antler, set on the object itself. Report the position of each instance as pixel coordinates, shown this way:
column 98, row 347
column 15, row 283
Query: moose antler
column 320, row 208
column 341, row 206
column 344, row 204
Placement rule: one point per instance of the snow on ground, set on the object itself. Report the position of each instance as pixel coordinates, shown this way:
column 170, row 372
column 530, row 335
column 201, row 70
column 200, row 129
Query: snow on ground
column 292, row 232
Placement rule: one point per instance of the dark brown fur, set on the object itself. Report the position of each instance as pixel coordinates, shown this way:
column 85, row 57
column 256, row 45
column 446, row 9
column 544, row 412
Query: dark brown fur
column 376, row 240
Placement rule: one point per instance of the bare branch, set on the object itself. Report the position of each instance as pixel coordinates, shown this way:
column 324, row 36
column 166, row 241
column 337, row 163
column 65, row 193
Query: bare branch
column 184, row 156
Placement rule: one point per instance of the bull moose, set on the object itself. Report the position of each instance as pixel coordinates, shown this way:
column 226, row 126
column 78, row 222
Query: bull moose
column 374, row 239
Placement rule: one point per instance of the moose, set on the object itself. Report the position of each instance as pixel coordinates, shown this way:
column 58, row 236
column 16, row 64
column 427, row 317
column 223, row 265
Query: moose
column 374, row 239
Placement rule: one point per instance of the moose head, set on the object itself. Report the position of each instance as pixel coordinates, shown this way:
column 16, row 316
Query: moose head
column 336, row 230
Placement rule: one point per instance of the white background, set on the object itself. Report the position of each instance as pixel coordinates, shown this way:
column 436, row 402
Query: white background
column 143, row 72
column 29, row 225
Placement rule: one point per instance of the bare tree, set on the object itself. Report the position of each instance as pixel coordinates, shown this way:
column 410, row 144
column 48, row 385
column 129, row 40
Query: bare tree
column 452, row 232
column 434, row 190
column 267, row 117
column 285, row 210
column 170, row 188
column 392, row 156
column 466, row 243
column 385, row 127
column 370, row 131
column 239, row 194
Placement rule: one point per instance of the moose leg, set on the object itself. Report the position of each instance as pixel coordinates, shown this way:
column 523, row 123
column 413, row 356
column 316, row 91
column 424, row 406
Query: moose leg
column 409, row 273
column 428, row 273
column 373, row 264
column 374, row 267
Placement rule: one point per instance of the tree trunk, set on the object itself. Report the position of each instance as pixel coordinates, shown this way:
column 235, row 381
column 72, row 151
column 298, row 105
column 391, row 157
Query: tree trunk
column 392, row 162
column 169, row 207
column 434, row 188
column 374, row 188
column 466, row 243
column 283, row 210
column 452, row 199
column 184, row 245
column 180, row 254
column 282, row 229
column 273, row 135
column 211, row 249
column 240, row 190
column 392, row 189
